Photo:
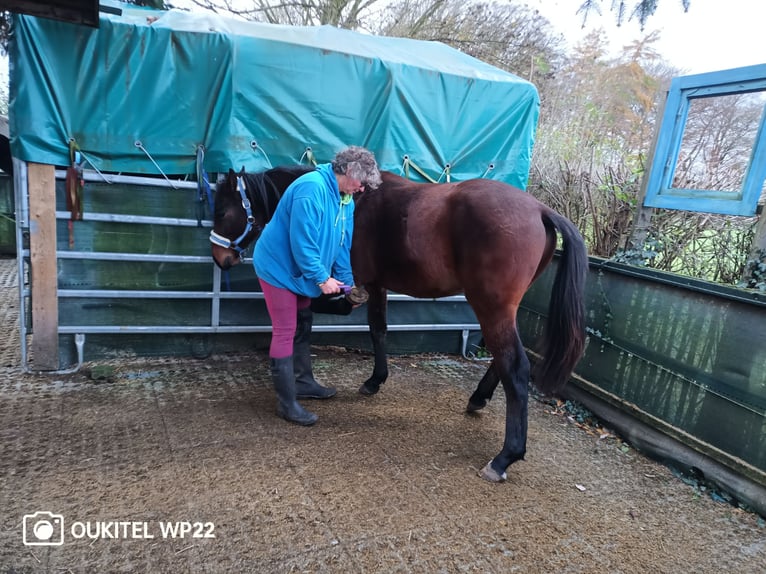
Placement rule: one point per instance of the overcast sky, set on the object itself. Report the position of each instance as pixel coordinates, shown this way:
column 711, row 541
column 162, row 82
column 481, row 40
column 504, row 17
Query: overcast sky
column 713, row 35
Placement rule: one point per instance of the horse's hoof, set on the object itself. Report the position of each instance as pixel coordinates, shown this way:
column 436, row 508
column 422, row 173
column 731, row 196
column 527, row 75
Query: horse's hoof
column 368, row 390
column 490, row 474
column 473, row 407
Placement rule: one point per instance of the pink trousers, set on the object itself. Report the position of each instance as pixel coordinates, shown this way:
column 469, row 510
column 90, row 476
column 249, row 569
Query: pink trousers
column 283, row 307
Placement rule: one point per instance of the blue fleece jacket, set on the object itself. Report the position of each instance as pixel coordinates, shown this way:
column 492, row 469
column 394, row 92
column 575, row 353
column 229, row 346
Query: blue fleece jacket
column 309, row 237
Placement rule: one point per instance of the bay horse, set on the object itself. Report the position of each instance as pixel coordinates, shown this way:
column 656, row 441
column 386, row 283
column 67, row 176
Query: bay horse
column 480, row 237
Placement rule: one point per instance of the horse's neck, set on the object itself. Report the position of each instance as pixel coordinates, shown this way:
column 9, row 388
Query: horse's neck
column 263, row 193
column 266, row 188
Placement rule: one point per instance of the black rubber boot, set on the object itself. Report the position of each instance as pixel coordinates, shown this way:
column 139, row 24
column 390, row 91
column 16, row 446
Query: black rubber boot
column 284, row 384
column 306, row 387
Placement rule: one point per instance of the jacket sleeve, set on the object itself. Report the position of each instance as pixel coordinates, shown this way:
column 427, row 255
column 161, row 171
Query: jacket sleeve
column 304, row 229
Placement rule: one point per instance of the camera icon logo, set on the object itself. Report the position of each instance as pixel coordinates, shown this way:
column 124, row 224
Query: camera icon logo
column 43, row 529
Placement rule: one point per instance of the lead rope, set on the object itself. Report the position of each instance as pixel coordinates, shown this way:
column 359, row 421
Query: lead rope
column 204, row 194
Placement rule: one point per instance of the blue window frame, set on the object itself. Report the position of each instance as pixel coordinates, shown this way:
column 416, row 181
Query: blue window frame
column 683, row 92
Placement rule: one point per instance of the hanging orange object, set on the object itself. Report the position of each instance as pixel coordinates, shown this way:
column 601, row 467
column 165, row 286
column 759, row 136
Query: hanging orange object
column 74, row 188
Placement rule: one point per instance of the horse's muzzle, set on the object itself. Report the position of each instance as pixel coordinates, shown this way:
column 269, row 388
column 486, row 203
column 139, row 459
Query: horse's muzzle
column 228, row 262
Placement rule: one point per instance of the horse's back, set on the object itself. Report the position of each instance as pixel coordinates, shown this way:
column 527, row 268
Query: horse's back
column 499, row 235
column 431, row 240
column 400, row 240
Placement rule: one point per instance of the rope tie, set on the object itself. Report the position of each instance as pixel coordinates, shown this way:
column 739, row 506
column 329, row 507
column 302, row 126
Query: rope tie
column 409, row 163
column 140, row 146
column 445, row 171
column 309, row 155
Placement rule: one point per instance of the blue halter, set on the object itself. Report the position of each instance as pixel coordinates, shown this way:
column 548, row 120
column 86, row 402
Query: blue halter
column 222, row 241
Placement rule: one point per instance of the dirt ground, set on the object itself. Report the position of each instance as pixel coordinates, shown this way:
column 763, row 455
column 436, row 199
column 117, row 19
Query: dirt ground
column 381, row 484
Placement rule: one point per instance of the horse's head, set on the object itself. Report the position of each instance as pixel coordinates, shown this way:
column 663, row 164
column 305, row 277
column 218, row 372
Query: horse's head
column 237, row 222
column 244, row 203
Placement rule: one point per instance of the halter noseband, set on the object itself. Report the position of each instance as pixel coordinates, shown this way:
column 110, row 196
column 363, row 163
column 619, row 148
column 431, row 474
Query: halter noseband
column 222, row 241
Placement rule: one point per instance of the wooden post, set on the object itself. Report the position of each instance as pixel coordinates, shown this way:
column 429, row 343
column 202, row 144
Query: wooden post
column 43, row 272
column 758, row 248
column 759, row 241
column 643, row 217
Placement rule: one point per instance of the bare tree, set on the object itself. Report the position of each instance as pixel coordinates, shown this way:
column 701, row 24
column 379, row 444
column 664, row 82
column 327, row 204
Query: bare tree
column 510, row 36
column 719, row 134
column 641, row 10
column 595, row 129
column 341, row 13
column 349, row 13
column 589, row 161
column 715, row 152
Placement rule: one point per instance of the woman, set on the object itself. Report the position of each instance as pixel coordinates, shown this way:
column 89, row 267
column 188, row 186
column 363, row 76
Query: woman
column 303, row 252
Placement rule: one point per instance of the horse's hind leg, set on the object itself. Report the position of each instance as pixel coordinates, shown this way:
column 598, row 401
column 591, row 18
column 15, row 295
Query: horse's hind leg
column 484, row 390
column 376, row 319
column 513, row 370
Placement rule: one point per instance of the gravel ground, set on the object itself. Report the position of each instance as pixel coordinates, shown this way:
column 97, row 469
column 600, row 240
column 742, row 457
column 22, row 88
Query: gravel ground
column 181, row 465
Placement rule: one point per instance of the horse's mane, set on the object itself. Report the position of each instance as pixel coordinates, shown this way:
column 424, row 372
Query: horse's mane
column 290, row 172
column 265, row 188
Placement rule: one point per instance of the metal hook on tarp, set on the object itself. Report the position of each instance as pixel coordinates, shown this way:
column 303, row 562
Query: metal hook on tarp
column 140, row 146
column 95, row 168
column 255, row 147
column 490, row 167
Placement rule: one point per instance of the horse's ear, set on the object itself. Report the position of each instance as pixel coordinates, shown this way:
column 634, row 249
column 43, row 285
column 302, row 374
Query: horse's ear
column 231, row 172
column 243, row 171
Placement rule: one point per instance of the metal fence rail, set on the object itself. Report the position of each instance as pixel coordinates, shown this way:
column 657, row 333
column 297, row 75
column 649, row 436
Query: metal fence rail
column 97, row 298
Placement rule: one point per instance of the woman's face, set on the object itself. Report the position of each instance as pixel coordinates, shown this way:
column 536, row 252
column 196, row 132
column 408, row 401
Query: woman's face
column 350, row 185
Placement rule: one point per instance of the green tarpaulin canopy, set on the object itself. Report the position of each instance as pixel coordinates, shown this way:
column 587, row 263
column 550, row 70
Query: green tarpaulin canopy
column 144, row 90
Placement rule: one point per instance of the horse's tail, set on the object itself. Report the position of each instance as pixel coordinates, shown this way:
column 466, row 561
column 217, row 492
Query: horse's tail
column 564, row 336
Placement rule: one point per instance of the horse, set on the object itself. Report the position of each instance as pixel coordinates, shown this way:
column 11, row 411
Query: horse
column 480, row 237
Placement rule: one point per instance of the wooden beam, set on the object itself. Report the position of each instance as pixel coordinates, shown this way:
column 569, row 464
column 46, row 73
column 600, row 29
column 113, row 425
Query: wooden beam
column 43, row 271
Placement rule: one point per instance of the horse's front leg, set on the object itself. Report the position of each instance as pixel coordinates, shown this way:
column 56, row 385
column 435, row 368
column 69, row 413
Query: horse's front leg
column 376, row 319
column 513, row 369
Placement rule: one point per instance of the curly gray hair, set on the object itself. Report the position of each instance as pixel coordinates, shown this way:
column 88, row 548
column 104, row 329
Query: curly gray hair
column 359, row 163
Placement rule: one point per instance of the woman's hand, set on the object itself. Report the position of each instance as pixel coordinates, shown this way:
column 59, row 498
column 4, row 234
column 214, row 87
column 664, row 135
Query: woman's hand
column 331, row 286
